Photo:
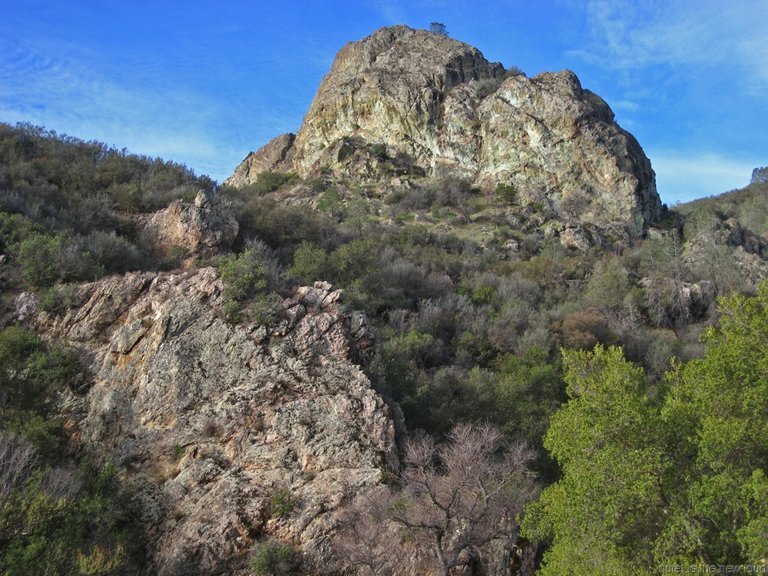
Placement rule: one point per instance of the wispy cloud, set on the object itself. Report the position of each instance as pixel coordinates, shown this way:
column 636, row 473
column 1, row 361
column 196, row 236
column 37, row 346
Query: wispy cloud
column 683, row 177
column 65, row 94
column 629, row 35
column 390, row 10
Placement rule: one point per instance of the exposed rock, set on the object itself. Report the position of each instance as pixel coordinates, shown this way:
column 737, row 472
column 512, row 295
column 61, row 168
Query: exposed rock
column 388, row 88
column 557, row 142
column 440, row 104
column 212, row 424
column 275, row 156
column 201, row 227
column 695, row 298
column 575, row 238
column 25, row 306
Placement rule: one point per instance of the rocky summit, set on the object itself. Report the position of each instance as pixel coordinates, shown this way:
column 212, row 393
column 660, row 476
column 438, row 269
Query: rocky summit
column 439, row 108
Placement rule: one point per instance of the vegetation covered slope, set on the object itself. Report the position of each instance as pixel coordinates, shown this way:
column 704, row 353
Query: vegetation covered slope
column 471, row 296
column 71, row 210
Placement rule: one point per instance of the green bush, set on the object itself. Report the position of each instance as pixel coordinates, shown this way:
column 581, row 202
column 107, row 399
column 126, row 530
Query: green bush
column 310, row 263
column 31, row 374
column 59, row 298
column 271, row 558
column 331, row 203
column 282, row 503
column 270, row 181
column 246, row 289
column 38, row 256
column 379, row 151
column 506, row 193
column 64, row 521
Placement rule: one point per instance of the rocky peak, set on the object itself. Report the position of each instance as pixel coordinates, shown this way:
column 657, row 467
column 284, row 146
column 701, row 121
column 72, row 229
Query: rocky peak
column 388, row 88
column 275, row 156
column 439, row 103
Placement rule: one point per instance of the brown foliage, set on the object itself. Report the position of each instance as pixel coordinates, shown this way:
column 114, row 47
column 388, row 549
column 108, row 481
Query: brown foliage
column 456, row 508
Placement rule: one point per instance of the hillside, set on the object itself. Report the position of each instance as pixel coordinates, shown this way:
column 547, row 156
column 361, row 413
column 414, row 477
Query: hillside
column 746, row 205
column 317, row 366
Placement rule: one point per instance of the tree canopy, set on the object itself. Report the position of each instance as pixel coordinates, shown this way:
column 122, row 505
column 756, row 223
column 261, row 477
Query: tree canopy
column 670, row 477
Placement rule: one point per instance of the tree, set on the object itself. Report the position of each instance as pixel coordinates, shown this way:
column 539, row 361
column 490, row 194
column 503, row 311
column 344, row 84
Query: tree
column 604, row 510
column 438, row 28
column 673, row 477
column 716, row 406
column 458, row 502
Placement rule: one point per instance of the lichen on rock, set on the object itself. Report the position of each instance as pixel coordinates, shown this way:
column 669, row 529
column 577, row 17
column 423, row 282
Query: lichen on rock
column 439, row 103
column 207, row 422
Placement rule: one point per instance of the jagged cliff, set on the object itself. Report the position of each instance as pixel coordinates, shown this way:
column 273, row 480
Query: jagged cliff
column 439, row 106
column 210, row 423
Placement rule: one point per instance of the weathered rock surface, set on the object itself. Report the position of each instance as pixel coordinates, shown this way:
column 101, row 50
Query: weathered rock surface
column 201, row 227
column 275, row 156
column 211, row 424
column 440, row 103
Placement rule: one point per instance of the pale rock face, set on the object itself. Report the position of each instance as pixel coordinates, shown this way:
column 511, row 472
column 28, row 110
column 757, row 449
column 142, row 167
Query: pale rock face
column 441, row 103
column 558, row 143
column 389, row 88
column 275, row 156
column 207, row 421
column 202, row 227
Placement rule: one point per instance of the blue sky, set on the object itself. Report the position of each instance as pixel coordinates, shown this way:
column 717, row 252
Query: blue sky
column 204, row 82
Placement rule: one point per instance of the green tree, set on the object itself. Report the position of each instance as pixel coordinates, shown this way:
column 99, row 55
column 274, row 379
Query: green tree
column 603, row 513
column 677, row 476
column 717, row 407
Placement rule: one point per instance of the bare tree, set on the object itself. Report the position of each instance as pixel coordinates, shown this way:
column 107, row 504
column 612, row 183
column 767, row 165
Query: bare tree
column 456, row 508
column 438, row 28
column 365, row 540
column 18, row 460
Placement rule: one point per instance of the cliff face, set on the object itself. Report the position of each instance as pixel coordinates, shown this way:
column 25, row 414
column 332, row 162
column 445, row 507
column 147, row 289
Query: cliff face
column 226, row 433
column 442, row 105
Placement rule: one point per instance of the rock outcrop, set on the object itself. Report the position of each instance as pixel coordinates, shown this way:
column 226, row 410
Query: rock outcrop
column 200, row 228
column 275, row 156
column 225, row 433
column 439, row 103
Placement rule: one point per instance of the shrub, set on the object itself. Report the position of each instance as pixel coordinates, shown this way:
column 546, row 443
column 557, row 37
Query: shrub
column 506, row 193
column 38, row 258
column 438, row 28
column 270, row 181
column 331, row 203
column 379, row 151
column 282, row 503
column 310, row 262
column 59, row 298
column 271, row 558
column 242, row 276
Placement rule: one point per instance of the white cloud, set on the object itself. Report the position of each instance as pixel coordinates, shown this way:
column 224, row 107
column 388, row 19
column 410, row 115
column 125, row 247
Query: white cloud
column 391, row 11
column 630, row 35
column 627, row 105
column 65, row 94
column 683, row 177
